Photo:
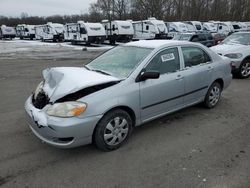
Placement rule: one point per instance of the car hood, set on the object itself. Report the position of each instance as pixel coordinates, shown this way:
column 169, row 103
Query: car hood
column 223, row 49
column 59, row 82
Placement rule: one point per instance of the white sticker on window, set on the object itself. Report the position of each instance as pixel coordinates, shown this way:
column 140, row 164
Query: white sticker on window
column 167, row 57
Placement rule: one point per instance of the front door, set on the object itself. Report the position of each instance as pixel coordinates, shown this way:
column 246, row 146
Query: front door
column 159, row 96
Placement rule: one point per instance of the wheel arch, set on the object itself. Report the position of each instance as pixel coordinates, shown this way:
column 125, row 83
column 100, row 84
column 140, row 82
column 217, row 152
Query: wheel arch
column 127, row 109
column 220, row 81
column 246, row 58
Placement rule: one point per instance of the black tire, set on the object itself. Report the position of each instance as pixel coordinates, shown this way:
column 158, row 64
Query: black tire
column 103, row 128
column 243, row 68
column 213, row 95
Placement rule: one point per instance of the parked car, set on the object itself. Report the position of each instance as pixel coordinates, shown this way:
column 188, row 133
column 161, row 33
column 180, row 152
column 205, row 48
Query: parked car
column 218, row 37
column 237, row 48
column 127, row 86
column 204, row 38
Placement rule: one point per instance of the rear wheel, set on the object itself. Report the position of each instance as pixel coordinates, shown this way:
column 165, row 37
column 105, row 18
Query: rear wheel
column 113, row 130
column 213, row 95
column 244, row 71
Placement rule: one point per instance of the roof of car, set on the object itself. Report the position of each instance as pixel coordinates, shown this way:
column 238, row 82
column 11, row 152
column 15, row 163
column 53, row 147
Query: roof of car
column 155, row 43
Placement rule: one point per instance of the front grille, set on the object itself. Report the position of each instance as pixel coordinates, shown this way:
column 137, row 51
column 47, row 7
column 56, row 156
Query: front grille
column 41, row 100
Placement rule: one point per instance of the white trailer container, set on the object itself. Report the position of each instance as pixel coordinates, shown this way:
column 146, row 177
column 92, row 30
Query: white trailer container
column 7, row 32
column 176, row 27
column 84, row 32
column 25, row 31
column 50, row 31
column 248, row 25
column 118, row 30
column 210, row 26
column 190, row 27
column 150, row 29
column 237, row 26
column 225, row 28
column 196, row 24
column 244, row 26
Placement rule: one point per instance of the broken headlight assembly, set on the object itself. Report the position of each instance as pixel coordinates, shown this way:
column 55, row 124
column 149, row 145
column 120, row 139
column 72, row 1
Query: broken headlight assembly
column 38, row 89
column 66, row 109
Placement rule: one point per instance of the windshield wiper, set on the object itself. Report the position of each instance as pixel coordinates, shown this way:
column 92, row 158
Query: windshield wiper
column 86, row 67
column 95, row 70
column 102, row 72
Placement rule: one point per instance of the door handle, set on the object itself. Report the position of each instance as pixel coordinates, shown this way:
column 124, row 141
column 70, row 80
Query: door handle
column 179, row 77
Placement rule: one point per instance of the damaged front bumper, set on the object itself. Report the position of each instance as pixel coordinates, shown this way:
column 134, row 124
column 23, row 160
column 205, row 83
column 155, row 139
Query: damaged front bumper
column 236, row 65
column 60, row 132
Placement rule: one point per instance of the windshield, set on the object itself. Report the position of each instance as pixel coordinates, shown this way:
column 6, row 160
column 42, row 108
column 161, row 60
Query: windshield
column 186, row 37
column 119, row 61
column 238, row 38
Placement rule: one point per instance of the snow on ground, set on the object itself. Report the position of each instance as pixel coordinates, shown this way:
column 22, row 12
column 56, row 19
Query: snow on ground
column 16, row 45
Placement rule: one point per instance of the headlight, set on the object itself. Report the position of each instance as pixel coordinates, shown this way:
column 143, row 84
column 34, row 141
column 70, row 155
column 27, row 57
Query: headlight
column 38, row 89
column 234, row 55
column 67, row 109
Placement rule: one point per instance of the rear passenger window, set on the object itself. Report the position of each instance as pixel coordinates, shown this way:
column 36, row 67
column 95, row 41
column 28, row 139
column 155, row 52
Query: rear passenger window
column 194, row 56
column 167, row 61
column 210, row 37
column 202, row 37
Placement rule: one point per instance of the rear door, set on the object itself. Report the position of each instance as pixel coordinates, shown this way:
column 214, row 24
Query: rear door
column 197, row 73
column 166, row 93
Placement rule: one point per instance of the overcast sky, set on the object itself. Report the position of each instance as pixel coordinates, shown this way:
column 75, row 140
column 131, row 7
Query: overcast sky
column 43, row 7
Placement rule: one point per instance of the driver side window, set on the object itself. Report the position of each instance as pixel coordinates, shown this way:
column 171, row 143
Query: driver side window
column 167, row 61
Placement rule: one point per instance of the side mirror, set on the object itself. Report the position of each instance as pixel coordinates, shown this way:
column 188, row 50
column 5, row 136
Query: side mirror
column 148, row 75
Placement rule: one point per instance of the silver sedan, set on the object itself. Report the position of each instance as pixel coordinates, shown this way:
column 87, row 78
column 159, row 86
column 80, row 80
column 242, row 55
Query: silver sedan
column 125, row 87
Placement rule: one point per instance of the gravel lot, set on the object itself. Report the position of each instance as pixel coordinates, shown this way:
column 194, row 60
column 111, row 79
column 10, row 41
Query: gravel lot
column 195, row 147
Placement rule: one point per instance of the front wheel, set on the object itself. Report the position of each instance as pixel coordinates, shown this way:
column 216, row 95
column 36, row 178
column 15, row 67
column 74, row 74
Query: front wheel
column 244, row 71
column 213, row 95
column 113, row 130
